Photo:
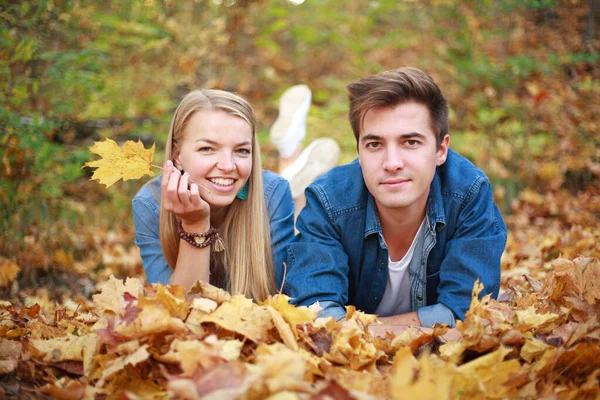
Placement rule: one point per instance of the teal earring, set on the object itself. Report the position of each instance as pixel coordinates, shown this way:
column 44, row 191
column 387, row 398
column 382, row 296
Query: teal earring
column 243, row 194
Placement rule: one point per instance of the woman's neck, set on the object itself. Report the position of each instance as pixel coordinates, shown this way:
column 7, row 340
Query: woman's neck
column 217, row 216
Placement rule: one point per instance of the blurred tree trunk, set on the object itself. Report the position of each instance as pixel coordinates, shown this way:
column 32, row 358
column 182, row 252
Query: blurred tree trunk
column 589, row 33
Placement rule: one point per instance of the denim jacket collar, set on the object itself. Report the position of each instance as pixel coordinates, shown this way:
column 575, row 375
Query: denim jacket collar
column 372, row 222
column 435, row 206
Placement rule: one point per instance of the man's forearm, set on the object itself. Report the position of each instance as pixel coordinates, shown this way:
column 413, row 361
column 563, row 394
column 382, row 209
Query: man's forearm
column 408, row 319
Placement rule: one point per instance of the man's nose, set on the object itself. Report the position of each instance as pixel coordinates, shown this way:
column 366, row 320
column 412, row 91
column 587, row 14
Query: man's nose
column 394, row 160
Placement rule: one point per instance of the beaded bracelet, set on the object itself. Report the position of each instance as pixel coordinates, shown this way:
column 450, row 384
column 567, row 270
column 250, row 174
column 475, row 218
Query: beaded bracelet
column 209, row 238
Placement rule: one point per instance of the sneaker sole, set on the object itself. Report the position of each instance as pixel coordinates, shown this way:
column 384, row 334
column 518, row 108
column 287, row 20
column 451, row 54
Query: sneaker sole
column 291, row 101
column 318, row 158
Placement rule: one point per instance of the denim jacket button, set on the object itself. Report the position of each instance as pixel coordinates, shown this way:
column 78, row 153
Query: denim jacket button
column 419, row 298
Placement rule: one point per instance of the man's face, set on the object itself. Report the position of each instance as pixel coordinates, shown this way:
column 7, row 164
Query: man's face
column 398, row 154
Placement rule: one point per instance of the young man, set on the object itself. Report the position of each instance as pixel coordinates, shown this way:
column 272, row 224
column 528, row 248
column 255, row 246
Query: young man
column 405, row 230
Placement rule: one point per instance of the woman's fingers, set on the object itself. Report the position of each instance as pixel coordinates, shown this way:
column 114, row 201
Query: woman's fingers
column 195, row 196
column 182, row 191
column 167, row 169
column 170, row 193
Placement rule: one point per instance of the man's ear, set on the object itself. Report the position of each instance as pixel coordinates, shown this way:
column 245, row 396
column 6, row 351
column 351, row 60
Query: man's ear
column 442, row 152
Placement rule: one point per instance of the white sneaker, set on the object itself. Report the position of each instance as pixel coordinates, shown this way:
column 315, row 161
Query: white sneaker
column 289, row 128
column 319, row 157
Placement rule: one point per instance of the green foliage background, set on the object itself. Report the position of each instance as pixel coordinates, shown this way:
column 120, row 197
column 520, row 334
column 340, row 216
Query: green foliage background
column 522, row 78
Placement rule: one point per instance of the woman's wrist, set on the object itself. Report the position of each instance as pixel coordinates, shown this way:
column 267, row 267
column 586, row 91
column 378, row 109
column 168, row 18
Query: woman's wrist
column 196, row 227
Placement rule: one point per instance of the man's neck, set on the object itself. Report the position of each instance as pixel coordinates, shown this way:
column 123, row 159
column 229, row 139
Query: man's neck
column 399, row 228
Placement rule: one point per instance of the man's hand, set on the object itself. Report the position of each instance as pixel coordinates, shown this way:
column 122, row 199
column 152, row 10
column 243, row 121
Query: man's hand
column 380, row 331
column 408, row 319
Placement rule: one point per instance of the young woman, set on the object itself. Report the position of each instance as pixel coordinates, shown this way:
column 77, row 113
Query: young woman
column 222, row 218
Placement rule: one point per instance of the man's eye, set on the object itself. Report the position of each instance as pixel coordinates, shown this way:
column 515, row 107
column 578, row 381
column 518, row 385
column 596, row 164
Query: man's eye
column 372, row 145
column 412, row 142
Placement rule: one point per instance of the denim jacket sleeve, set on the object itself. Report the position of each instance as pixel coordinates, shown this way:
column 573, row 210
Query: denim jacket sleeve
column 318, row 264
column 473, row 252
column 280, row 207
column 146, row 215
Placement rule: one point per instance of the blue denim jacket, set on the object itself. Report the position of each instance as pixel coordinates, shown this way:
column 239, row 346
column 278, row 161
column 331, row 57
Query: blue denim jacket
column 146, row 215
column 339, row 256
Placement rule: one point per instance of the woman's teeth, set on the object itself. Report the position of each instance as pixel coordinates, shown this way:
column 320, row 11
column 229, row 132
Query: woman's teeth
column 222, row 181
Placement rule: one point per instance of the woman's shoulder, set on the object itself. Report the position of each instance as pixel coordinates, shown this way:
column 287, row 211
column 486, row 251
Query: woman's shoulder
column 270, row 176
column 150, row 192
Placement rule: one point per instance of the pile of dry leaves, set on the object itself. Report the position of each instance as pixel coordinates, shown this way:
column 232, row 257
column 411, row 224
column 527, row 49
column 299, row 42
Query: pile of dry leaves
column 134, row 341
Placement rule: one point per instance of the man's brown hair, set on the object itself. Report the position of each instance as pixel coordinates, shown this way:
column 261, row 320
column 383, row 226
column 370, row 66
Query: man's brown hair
column 395, row 87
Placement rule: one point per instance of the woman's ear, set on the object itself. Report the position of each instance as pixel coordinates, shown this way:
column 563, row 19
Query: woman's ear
column 175, row 159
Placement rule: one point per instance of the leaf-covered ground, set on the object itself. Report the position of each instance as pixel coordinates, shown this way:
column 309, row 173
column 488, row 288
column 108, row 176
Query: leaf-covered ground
column 540, row 340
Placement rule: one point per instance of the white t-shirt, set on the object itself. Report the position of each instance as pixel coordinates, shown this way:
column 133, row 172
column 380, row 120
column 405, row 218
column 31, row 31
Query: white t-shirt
column 396, row 299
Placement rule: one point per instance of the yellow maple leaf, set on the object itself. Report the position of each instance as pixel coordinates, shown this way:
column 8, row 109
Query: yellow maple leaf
column 111, row 298
column 132, row 161
column 75, row 348
column 422, row 379
column 530, row 318
column 191, row 354
column 291, row 314
column 153, row 319
column 8, row 271
column 119, row 364
column 242, row 316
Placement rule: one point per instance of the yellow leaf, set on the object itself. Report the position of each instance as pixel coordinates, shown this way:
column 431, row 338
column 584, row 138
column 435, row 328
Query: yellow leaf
column 190, row 354
column 488, row 372
column 118, row 364
column 532, row 349
column 285, row 332
column 111, row 298
column 75, row 348
column 351, row 347
column 153, row 319
column 292, row 314
column 412, row 379
column 242, row 316
column 132, row 161
column 174, row 303
column 281, row 369
column 209, row 291
column 8, row 271
column 531, row 319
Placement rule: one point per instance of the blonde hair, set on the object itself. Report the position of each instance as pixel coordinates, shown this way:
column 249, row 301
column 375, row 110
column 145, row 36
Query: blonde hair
column 247, row 260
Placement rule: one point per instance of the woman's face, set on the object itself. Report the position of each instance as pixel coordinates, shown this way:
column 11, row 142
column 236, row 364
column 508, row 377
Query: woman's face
column 216, row 150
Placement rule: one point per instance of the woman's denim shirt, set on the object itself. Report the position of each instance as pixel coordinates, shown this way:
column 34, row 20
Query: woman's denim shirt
column 146, row 215
column 340, row 257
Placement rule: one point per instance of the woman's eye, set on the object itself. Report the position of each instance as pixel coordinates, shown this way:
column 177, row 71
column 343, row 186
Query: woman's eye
column 244, row 152
column 204, row 149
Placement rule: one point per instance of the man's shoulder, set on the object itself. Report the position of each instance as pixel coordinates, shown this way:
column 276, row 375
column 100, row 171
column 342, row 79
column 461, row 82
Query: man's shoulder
column 459, row 174
column 343, row 186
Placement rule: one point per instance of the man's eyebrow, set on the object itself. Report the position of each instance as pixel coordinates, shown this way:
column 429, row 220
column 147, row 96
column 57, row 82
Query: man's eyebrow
column 370, row 137
column 410, row 135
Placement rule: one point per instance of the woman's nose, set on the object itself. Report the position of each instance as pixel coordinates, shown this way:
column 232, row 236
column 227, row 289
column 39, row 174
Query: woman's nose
column 226, row 163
